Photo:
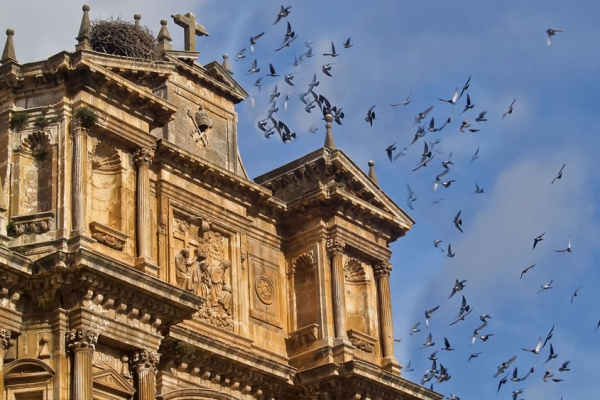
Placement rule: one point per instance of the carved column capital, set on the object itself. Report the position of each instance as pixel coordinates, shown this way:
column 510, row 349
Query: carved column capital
column 382, row 268
column 82, row 338
column 335, row 246
column 5, row 338
column 76, row 128
column 145, row 359
column 143, row 156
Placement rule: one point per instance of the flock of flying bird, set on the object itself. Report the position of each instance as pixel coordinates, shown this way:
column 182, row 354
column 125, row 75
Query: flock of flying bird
column 425, row 123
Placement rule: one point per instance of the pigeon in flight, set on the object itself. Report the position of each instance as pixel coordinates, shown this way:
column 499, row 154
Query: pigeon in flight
column 450, row 253
column 272, row 72
column 327, row 69
column 469, row 104
column 288, row 78
column 283, row 12
column 567, row 250
column 415, row 328
column 254, row 68
column 525, row 270
column 504, row 366
column 478, row 190
column 333, row 53
column 559, row 176
column 548, row 336
column 546, row 286
column 458, row 286
column 370, row 116
column 538, row 239
column 428, row 342
column 564, row 367
column 537, row 348
column 404, row 103
column 453, row 99
column 552, row 355
column 411, row 196
column 407, row 368
column 458, row 222
column 400, row 154
column 474, row 355
column 551, row 33
column 347, row 44
column 253, row 40
column 475, row 156
column 390, row 149
column 481, row 117
column 447, row 346
column 421, row 116
column 510, row 109
column 465, row 86
column 575, row 294
column 428, row 314
column 240, row 54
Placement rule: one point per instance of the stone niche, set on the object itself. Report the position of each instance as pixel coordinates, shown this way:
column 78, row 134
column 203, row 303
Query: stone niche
column 361, row 305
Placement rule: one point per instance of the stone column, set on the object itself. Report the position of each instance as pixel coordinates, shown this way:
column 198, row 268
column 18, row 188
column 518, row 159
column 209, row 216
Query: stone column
column 82, row 343
column 335, row 248
column 78, row 204
column 4, row 345
column 382, row 273
column 144, row 363
column 143, row 159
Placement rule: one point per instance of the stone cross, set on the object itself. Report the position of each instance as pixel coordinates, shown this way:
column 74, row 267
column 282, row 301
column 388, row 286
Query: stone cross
column 190, row 29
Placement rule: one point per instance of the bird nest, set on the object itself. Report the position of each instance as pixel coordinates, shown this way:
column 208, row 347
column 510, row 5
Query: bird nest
column 122, row 38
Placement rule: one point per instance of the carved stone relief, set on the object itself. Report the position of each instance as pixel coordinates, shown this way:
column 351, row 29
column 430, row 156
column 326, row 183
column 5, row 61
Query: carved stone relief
column 203, row 125
column 205, row 270
column 35, row 169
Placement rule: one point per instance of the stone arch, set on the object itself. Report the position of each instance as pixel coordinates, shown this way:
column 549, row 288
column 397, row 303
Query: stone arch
column 28, row 377
column 358, row 296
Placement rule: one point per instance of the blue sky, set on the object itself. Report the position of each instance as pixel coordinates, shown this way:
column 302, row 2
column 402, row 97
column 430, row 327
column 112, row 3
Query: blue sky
column 427, row 49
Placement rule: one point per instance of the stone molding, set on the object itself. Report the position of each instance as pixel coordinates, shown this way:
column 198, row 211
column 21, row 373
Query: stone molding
column 32, row 224
column 108, row 236
column 303, row 336
column 362, row 341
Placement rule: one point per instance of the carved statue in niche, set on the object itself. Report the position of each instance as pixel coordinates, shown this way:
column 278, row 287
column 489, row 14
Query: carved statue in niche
column 183, row 270
column 203, row 125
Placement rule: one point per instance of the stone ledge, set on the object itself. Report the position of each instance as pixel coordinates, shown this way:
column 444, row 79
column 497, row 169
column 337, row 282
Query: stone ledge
column 108, row 236
column 32, row 224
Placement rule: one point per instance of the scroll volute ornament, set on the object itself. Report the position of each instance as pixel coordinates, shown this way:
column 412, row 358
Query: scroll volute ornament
column 82, row 338
column 382, row 268
column 335, row 246
column 145, row 359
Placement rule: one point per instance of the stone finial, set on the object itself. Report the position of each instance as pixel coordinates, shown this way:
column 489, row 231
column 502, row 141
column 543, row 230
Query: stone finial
column 85, row 30
column 137, row 18
column 164, row 37
column 226, row 65
column 329, row 143
column 8, row 55
column 372, row 172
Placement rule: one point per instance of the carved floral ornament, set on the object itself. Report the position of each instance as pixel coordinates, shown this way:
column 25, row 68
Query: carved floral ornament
column 335, row 246
column 145, row 359
column 143, row 155
column 265, row 290
column 382, row 268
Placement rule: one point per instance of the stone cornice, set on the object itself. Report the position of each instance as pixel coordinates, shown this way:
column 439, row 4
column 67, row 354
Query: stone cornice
column 216, row 178
column 228, row 354
column 360, row 378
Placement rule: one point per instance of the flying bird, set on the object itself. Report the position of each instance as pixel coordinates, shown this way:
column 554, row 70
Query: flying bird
column 525, row 270
column 458, row 286
column 254, row 68
column 478, row 190
column 421, row 116
column 453, row 99
column 400, row 154
column 575, row 294
column 253, row 40
column 272, row 72
column 538, row 239
column 436, row 243
column 458, row 222
column 551, row 33
column 567, row 250
column 552, row 355
column 283, row 12
column 546, row 286
column 390, row 149
column 428, row 314
column 407, row 368
column 510, row 109
column 481, row 117
column 504, row 366
column 469, row 104
column 288, row 78
column 502, row 382
column 450, row 253
column 465, row 124
column 474, row 355
column 465, row 86
column 537, row 348
column 273, row 95
column 411, row 196
column 347, row 44
column 559, row 176
column 333, row 53
column 548, row 336
column 428, row 342
column 370, row 116
column 475, row 156
column 327, row 69
column 564, row 367
column 415, row 328
column 240, row 54
column 404, row 103
column 447, row 346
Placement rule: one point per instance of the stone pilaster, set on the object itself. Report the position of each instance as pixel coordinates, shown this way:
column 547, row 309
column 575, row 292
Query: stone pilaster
column 143, row 159
column 382, row 272
column 336, row 250
column 144, row 363
column 78, row 205
column 4, row 345
column 82, row 343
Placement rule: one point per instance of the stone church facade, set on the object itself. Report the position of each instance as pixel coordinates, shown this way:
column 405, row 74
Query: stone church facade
column 139, row 261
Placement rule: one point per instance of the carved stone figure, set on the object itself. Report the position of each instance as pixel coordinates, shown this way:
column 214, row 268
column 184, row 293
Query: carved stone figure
column 184, row 272
column 217, row 278
column 201, row 275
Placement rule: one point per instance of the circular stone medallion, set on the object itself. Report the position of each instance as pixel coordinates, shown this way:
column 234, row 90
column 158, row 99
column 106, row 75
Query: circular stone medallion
column 265, row 289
